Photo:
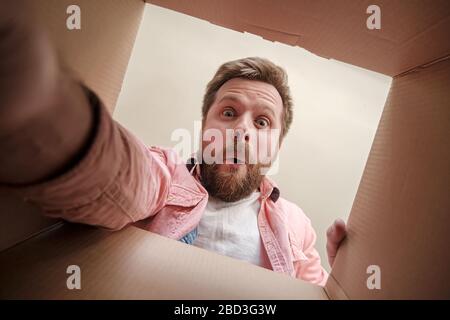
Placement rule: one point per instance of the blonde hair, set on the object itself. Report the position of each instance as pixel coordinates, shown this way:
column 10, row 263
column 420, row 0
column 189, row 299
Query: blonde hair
column 252, row 68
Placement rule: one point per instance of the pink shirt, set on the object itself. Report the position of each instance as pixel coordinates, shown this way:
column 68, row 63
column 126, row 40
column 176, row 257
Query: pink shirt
column 121, row 181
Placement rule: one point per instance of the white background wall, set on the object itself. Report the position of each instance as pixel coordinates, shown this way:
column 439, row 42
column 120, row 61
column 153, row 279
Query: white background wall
column 337, row 106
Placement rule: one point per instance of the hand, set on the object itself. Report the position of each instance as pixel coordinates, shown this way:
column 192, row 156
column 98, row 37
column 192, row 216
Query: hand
column 335, row 235
column 46, row 121
column 28, row 67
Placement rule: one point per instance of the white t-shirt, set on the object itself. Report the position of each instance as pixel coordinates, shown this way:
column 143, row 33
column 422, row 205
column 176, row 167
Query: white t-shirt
column 231, row 229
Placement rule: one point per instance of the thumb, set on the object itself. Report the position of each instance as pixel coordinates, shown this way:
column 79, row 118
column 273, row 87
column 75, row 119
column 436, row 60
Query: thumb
column 337, row 232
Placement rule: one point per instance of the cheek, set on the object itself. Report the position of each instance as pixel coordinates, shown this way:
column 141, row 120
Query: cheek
column 268, row 146
column 213, row 136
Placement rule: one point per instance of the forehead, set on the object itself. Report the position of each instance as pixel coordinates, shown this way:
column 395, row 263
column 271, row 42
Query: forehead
column 251, row 92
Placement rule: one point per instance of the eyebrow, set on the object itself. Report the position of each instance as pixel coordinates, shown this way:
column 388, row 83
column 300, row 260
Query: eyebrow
column 237, row 100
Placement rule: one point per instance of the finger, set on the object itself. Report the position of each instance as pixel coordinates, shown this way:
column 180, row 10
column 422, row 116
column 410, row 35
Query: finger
column 331, row 253
column 340, row 229
column 337, row 232
column 331, row 249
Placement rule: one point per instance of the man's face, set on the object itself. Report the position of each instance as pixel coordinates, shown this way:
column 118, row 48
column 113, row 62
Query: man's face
column 247, row 115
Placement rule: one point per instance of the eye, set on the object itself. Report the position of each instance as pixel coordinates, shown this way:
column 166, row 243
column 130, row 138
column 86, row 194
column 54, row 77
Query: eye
column 262, row 122
column 228, row 113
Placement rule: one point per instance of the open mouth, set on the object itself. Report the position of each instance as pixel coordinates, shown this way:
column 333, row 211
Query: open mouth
column 237, row 161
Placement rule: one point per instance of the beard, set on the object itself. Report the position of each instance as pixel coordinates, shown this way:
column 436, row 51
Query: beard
column 229, row 183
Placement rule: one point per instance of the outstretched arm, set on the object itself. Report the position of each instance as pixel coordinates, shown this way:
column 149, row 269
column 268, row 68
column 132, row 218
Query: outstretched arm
column 59, row 147
column 45, row 118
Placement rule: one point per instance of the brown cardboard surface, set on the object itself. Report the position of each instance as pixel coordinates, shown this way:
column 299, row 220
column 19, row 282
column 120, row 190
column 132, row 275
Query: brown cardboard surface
column 18, row 220
column 98, row 54
column 135, row 264
column 412, row 32
column 400, row 217
column 334, row 290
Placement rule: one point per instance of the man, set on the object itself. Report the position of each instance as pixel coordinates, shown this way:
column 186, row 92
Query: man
column 62, row 151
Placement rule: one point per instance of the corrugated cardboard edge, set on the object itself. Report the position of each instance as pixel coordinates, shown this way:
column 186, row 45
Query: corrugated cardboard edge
column 424, row 66
column 334, row 290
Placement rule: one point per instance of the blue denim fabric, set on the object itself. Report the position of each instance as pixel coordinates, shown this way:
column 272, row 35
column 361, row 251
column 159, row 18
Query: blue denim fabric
column 190, row 237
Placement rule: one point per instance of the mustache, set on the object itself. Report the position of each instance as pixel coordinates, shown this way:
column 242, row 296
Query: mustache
column 239, row 153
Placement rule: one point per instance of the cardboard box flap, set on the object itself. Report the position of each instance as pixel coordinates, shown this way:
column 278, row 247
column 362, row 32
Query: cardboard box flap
column 412, row 32
column 135, row 264
column 399, row 223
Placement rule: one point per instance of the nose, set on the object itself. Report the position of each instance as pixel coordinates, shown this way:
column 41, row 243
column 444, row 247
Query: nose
column 241, row 135
column 242, row 129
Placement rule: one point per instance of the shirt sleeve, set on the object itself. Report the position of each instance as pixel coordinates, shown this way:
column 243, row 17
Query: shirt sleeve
column 118, row 181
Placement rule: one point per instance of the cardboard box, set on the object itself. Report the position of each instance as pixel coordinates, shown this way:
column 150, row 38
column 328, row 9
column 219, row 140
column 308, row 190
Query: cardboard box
column 400, row 216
